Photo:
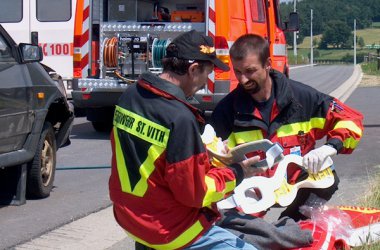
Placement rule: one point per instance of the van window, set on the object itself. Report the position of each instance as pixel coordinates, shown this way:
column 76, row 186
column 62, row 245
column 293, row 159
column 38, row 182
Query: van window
column 53, row 10
column 10, row 11
column 258, row 11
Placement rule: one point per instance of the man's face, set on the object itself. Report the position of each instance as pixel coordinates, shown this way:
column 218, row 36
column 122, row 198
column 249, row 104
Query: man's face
column 251, row 74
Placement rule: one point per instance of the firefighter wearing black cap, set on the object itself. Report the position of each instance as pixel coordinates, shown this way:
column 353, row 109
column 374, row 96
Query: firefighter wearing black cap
column 162, row 185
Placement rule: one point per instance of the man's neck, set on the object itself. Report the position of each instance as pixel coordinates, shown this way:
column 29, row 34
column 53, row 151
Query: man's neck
column 171, row 77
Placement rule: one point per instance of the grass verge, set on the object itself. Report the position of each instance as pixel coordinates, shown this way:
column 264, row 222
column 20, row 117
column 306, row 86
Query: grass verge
column 371, row 68
column 372, row 200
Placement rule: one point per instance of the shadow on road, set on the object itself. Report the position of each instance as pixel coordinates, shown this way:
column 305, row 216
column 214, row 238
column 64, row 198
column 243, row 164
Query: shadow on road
column 86, row 131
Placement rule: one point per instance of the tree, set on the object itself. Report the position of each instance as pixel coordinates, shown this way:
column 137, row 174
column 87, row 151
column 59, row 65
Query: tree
column 360, row 41
column 336, row 34
column 364, row 12
column 290, row 36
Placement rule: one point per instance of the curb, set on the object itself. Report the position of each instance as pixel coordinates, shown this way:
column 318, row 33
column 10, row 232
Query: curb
column 97, row 231
column 345, row 90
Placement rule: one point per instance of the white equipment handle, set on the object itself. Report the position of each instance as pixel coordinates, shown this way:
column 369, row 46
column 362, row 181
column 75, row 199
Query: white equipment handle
column 276, row 189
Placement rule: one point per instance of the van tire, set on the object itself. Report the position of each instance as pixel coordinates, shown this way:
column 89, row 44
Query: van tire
column 41, row 170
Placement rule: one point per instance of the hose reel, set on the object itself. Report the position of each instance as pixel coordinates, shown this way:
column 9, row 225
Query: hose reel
column 110, row 52
column 159, row 51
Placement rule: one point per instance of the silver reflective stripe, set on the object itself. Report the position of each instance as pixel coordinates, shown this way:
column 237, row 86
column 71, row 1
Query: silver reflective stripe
column 279, row 50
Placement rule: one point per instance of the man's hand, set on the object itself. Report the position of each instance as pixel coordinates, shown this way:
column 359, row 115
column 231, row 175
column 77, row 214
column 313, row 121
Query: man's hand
column 248, row 168
column 314, row 159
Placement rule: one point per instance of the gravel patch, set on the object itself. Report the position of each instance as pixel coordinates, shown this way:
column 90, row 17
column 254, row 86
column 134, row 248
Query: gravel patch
column 370, row 81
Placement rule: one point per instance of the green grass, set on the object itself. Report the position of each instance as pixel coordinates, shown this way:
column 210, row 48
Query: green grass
column 376, row 25
column 306, row 42
column 370, row 247
column 372, row 200
column 370, row 36
column 303, row 55
column 370, row 68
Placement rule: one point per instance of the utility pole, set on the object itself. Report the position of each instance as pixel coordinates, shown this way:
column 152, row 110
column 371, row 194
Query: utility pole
column 295, row 36
column 354, row 42
column 311, row 38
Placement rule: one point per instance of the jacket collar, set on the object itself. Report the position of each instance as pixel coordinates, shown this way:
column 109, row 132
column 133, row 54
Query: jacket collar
column 282, row 91
column 167, row 90
column 163, row 85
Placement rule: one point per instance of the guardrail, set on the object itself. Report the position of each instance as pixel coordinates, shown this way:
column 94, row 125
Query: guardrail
column 330, row 61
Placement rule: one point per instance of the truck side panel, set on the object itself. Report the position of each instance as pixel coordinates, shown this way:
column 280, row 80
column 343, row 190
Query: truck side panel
column 53, row 22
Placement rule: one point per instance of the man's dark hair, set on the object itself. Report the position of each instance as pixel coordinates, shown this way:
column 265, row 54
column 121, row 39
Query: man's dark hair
column 250, row 43
column 178, row 65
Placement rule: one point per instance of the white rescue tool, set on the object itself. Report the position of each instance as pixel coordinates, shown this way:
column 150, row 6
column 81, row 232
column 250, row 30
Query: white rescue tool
column 276, row 189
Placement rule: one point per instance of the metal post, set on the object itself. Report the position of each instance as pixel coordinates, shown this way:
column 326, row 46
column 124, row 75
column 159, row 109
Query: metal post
column 311, row 38
column 354, row 42
column 295, row 36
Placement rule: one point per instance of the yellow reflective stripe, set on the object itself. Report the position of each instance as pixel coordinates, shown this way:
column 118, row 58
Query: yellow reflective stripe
column 350, row 143
column 294, row 128
column 146, row 170
column 212, row 195
column 231, row 141
column 120, row 163
column 179, row 242
column 350, row 125
column 248, row 136
column 141, row 127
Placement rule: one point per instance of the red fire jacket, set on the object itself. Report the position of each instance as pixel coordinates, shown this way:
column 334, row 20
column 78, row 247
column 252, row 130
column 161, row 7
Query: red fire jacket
column 162, row 184
column 300, row 116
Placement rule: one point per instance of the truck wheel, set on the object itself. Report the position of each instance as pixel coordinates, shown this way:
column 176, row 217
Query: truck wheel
column 102, row 126
column 41, row 170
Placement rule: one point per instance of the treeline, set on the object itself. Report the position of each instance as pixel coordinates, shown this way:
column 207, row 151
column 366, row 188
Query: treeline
column 339, row 14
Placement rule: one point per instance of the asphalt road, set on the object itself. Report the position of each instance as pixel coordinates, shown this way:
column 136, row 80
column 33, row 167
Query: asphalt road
column 81, row 184
column 324, row 78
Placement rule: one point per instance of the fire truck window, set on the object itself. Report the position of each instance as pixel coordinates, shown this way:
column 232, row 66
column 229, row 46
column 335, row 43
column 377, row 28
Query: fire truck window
column 10, row 11
column 258, row 11
column 5, row 52
column 53, row 10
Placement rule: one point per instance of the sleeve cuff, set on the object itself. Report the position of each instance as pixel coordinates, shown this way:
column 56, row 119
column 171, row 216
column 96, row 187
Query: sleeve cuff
column 335, row 143
column 238, row 171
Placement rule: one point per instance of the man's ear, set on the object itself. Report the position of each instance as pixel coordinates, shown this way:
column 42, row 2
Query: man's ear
column 268, row 64
column 193, row 68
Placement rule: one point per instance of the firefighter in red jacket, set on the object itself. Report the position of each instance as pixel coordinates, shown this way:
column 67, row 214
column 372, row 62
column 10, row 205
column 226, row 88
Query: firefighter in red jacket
column 162, row 185
column 267, row 105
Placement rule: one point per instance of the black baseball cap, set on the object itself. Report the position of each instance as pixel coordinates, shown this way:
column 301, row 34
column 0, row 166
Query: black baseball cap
column 194, row 45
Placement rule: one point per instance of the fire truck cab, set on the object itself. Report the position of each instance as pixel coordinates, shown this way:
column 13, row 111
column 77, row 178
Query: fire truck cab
column 116, row 40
